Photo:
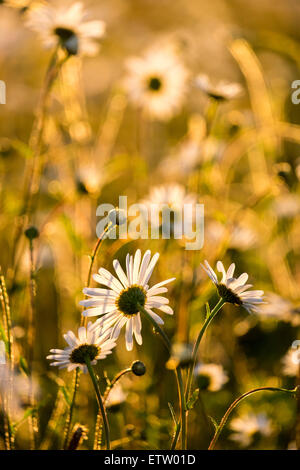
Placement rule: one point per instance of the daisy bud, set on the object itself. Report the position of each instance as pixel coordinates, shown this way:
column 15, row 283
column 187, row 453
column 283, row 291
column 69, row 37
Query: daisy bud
column 117, row 216
column 31, row 233
column 138, row 368
column 80, row 433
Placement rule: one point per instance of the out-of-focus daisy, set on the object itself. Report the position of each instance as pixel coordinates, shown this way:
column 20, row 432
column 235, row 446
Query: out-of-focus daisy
column 242, row 238
column 287, row 205
column 18, row 388
column 210, row 376
column 170, row 199
column 219, row 91
column 157, row 82
column 235, row 290
column 120, row 303
column 248, row 427
column 279, row 308
column 66, row 25
column 91, row 343
column 116, row 397
column 291, row 363
column 181, row 355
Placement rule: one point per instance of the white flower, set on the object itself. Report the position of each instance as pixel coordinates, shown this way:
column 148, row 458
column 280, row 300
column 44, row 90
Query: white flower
column 219, row 91
column 116, row 396
column 211, row 376
column 66, row 25
column 156, row 82
column 280, row 308
column 17, row 388
column 120, row 303
column 92, row 342
column 248, row 426
column 172, row 198
column 291, row 363
column 235, row 290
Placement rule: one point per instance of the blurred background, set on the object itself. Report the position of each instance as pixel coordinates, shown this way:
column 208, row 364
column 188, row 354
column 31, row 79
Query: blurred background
column 240, row 157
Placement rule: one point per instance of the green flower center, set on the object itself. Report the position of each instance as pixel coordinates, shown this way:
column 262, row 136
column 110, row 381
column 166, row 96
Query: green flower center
column 155, row 83
column 79, row 354
column 228, row 295
column 64, row 33
column 130, row 299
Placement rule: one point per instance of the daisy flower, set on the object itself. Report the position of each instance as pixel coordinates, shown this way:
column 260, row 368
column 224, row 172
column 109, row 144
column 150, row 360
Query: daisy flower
column 220, row 91
column 250, row 426
column 235, row 290
column 170, row 197
column 67, row 26
column 280, row 308
column 156, row 82
column 122, row 299
column 91, row 342
column 210, row 376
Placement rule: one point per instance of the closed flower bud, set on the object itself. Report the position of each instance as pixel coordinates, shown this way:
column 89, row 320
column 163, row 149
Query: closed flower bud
column 31, row 233
column 138, row 368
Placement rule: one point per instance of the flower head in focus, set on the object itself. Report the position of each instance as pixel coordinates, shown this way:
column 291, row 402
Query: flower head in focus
column 66, row 25
column 156, row 82
column 220, row 91
column 210, row 377
column 120, row 302
column 235, row 290
column 91, row 343
column 247, row 428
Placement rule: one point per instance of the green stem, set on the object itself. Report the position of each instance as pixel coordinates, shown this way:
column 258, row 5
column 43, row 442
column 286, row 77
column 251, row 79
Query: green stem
column 183, row 414
column 197, row 344
column 107, row 229
column 98, row 428
column 236, row 402
column 157, row 327
column 100, row 402
column 72, row 405
column 178, row 378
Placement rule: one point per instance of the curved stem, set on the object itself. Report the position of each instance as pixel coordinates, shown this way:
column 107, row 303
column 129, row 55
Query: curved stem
column 197, row 344
column 236, row 402
column 33, row 170
column 70, row 415
column 157, row 327
column 100, row 402
column 178, row 378
column 109, row 227
column 183, row 414
column 97, row 436
column 95, row 251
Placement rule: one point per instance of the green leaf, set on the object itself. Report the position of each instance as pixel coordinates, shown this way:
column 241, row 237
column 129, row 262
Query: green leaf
column 214, row 422
column 24, row 366
column 66, row 394
column 172, row 413
column 195, row 395
column 207, row 310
